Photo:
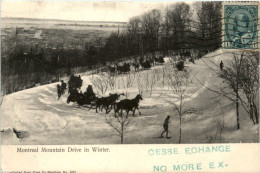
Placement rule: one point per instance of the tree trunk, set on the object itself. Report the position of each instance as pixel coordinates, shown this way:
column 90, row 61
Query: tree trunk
column 180, row 132
column 122, row 138
column 122, row 133
column 256, row 113
column 251, row 113
column 237, row 111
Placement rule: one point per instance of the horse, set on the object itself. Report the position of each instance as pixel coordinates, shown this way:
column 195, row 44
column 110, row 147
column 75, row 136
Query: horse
column 100, row 102
column 128, row 105
column 126, row 67
column 136, row 66
column 112, row 98
column 146, row 64
column 105, row 102
column 112, row 69
column 119, row 68
column 123, row 69
column 159, row 60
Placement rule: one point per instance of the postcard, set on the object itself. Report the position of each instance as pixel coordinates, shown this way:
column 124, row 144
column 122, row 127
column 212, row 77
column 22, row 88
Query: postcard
column 136, row 86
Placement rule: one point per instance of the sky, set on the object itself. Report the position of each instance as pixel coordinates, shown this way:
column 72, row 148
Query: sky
column 80, row 10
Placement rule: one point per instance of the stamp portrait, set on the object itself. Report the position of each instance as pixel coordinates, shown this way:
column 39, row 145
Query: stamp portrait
column 240, row 26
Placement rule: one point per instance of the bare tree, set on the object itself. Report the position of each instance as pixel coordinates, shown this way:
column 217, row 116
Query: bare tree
column 146, row 79
column 166, row 30
column 163, row 76
column 231, row 75
column 133, row 30
column 111, row 80
column 127, row 82
column 153, row 79
column 178, row 17
column 249, row 83
column 150, row 80
column 179, row 82
column 118, row 123
column 130, row 78
column 221, row 125
column 166, row 70
column 99, row 83
column 139, row 83
column 231, row 84
column 214, row 136
column 240, row 75
column 151, row 23
column 209, row 25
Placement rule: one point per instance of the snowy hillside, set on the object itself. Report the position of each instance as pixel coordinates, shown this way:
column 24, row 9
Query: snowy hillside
column 46, row 120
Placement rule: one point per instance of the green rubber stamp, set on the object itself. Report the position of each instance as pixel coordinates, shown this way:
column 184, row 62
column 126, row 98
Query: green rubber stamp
column 240, row 27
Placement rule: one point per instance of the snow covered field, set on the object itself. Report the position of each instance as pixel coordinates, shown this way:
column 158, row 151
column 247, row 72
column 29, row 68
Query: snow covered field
column 46, row 120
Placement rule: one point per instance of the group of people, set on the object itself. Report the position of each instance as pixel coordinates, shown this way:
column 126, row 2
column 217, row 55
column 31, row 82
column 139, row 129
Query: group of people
column 80, row 98
column 75, row 82
column 141, row 62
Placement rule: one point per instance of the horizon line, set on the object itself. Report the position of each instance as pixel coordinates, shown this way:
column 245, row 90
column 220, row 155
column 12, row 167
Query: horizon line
column 94, row 21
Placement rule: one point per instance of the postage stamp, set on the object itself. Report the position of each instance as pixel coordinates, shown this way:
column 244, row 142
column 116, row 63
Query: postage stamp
column 240, row 27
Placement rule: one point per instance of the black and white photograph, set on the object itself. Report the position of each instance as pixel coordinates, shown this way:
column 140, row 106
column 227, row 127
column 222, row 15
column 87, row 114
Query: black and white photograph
column 85, row 72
